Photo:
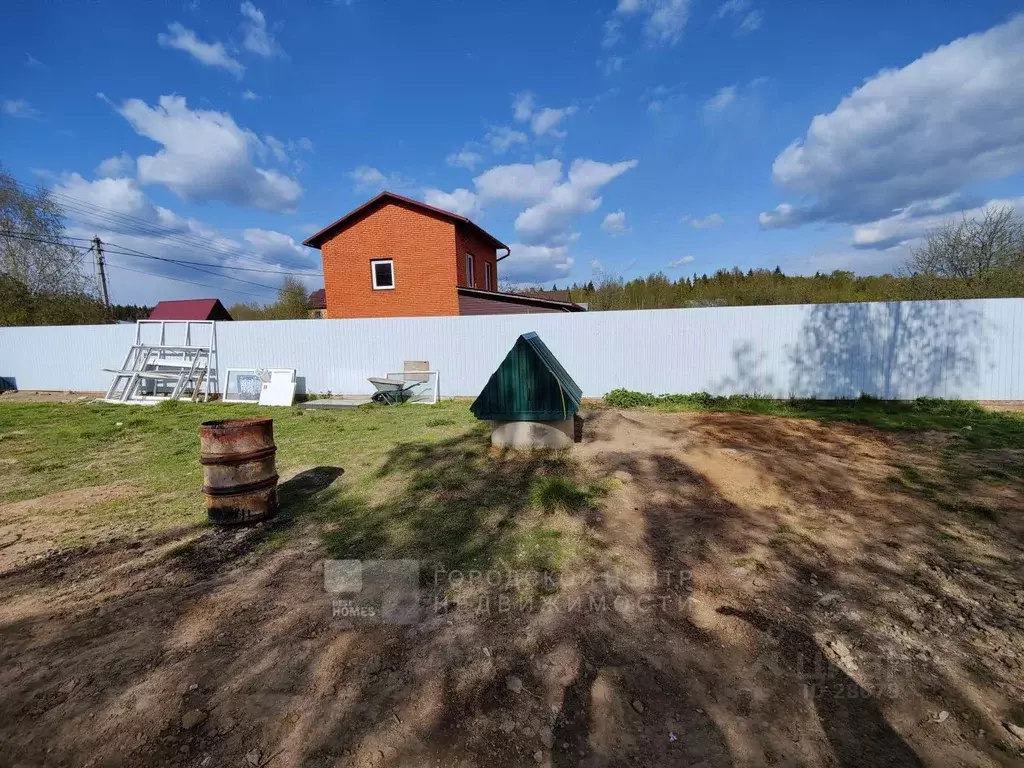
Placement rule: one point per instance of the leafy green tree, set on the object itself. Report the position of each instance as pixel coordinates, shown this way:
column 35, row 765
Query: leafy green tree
column 292, row 304
column 292, row 301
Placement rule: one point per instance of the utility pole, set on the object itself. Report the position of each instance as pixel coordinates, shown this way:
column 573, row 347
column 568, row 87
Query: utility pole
column 98, row 245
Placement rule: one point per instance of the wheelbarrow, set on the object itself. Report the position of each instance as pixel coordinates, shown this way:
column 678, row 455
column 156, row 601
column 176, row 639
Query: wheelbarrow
column 391, row 391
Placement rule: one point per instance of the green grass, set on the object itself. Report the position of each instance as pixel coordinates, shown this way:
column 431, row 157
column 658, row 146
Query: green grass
column 558, row 493
column 410, row 481
column 418, row 481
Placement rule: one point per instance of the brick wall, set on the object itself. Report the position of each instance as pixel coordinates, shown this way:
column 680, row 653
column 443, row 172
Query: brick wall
column 482, row 250
column 423, row 248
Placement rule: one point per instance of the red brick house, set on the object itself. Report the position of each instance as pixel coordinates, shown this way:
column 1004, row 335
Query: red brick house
column 397, row 257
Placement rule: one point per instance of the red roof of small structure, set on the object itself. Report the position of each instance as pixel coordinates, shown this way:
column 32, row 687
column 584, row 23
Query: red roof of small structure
column 190, row 309
column 318, row 299
column 324, row 234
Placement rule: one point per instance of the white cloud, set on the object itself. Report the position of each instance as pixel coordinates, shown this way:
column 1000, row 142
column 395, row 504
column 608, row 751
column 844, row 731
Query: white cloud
column 554, row 202
column 721, row 100
column 546, row 121
column 370, row 179
column 211, row 54
column 921, row 218
column 119, row 195
column 953, row 117
column 536, row 263
column 612, row 33
column 549, row 221
column 257, row 38
column 206, row 156
column 751, row 22
column 615, row 223
column 611, row 64
column 710, row 221
column 519, row 182
column 664, row 20
column 749, row 18
column 366, row 177
column 277, row 147
column 250, row 96
column 260, row 247
column 461, row 201
column 681, row 262
column 465, row 158
column 21, row 109
column 33, row 63
column 523, row 106
column 119, row 165
column 543, row 121
column 277, row 247
column 502, row 138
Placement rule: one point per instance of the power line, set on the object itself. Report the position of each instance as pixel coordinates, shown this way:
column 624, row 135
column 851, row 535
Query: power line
column 197, row 266
column 181, row 280
column 127, row 251
column 134, row 225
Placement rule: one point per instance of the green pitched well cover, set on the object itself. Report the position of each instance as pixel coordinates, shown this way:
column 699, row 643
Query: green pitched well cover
column 529, row 385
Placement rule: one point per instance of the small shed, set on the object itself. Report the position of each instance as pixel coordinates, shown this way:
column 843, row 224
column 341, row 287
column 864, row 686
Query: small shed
column 531, row 400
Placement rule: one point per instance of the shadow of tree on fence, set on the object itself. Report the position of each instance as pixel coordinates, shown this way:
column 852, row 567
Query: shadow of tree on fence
column 895, row 350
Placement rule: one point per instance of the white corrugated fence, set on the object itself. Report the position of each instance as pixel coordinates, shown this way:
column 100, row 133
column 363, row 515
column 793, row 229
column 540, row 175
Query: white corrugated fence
column 900, row 350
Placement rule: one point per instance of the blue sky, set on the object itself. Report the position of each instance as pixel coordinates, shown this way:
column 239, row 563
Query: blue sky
column 602, row 138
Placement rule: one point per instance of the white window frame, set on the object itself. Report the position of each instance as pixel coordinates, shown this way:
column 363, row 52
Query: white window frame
column 373, row 274
column 488, row 276
column 470, row 270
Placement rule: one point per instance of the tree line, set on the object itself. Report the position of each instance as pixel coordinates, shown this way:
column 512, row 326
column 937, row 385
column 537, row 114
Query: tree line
column 966, row 258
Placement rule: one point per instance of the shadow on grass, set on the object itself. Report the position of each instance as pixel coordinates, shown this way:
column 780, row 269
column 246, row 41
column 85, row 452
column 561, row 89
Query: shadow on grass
column 457, row 504
column 218, row 547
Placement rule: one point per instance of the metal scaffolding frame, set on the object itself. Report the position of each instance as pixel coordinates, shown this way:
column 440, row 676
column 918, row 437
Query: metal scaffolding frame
column 155, row 372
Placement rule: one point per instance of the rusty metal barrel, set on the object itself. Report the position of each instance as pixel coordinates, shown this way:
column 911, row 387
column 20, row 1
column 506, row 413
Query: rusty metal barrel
column 239, row 471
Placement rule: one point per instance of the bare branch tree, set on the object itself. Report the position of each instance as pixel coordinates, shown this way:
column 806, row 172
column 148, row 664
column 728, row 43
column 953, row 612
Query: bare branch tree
column 972, row 247
column 33, row 249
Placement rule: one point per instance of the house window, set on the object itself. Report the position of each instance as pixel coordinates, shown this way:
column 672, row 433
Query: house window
column 488, row 282
column 383, row 272
column 470, row 276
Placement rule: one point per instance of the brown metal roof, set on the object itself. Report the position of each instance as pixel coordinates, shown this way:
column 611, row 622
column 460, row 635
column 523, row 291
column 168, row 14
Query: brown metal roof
column 519, row 298
column 384, row 197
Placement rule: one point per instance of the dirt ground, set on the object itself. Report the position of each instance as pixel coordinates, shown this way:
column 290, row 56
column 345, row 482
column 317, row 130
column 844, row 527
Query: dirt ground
column 765, row 592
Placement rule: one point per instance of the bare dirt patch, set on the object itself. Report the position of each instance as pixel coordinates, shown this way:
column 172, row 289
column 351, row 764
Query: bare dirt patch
column 760, row 591
column 33, row 527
